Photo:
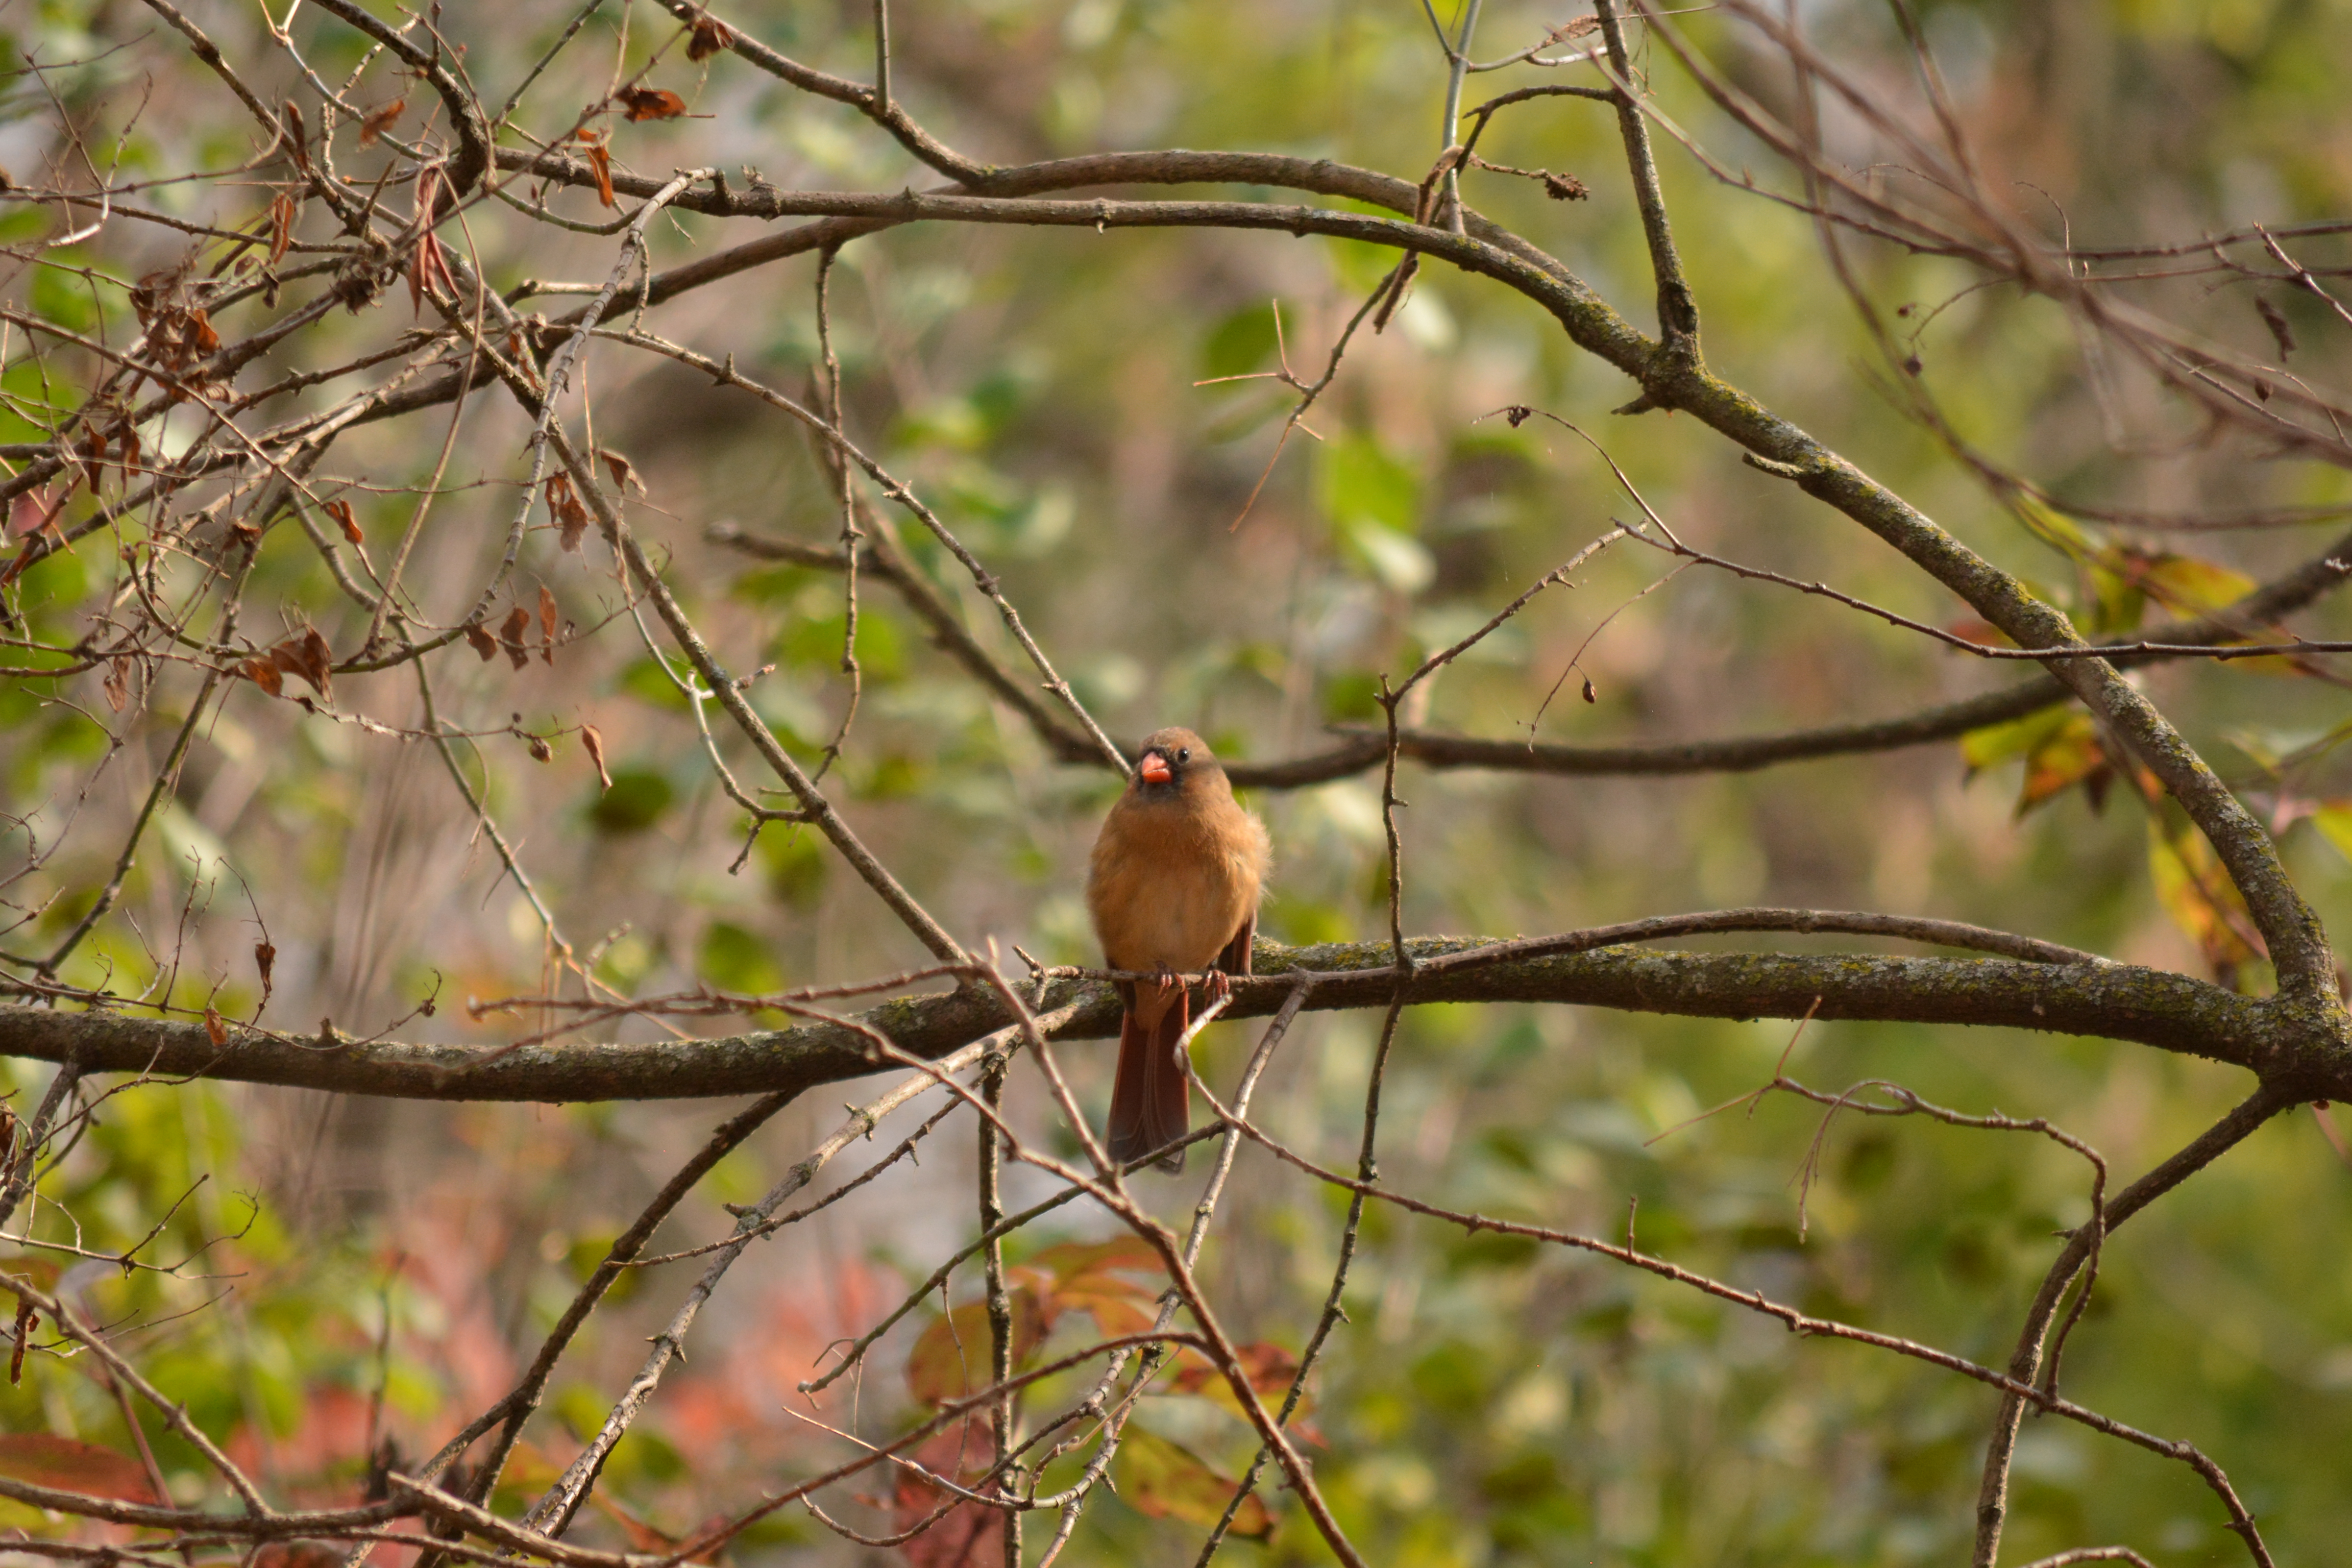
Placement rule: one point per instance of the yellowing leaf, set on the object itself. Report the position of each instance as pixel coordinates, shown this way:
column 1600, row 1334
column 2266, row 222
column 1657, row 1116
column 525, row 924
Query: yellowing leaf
column 1165, row 1480
column 2333, row 820
column 2052, row 527
column 951, row 1359
column 46, row 1460
column 2200, row 898
column 1981, row 749
column 2189, row 587
column 2072, row 756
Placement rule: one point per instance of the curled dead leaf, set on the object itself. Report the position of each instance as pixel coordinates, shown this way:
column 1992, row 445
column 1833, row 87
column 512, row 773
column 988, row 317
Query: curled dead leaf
column 539, row 749
column 710, row 36
column 511, row 636
column 624, row 473
column 546, row 626
column 600, row 164
column 651, row 104
column 481, row 640
column 345, row 519
column 265, row 958
column 593, row 740
column 381, row 120
column 281, row 227
column 215, row 1026
column 564, row 506
column 263, row 673
column 118, row 683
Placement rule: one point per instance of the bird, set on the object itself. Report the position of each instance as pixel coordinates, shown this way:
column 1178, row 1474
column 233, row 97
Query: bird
column 1173, row 888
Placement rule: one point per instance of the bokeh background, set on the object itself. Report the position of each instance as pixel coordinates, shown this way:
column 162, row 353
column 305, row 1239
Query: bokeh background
column 393, row 1265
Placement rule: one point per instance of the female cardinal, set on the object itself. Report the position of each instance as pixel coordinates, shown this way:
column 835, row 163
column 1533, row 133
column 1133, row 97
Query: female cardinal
column 1173, row 889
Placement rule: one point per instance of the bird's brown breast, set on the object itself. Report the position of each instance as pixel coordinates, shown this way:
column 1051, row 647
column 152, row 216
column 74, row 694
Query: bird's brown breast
column 1172, row 881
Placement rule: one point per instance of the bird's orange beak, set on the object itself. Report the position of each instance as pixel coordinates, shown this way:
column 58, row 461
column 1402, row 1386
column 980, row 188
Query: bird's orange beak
column 1155, row 769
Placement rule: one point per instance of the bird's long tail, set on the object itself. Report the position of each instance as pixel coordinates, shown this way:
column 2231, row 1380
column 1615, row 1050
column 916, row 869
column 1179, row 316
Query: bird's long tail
column 1152, row 1100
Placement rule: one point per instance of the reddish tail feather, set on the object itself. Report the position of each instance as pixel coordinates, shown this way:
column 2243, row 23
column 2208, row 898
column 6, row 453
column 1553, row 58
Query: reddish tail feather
column 1152, row 1098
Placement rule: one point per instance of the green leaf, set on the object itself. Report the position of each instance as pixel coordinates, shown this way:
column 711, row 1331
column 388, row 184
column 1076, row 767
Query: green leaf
column 1242, row 342
column 1357, row 483
column 735, row 959
column 1166, row 1480
column 635, row 803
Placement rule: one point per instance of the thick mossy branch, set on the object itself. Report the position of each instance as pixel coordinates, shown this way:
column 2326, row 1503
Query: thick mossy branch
column 2115, row 1001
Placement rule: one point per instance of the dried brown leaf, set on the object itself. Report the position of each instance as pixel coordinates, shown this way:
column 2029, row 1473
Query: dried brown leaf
column 600, row 164
column 625, row 472
column 651, row 104
column 118, row 683
column 297, row 136
column 541, row 751
column 2275, row 320
column 215, row 1026
column 265, row 958
column 481, row 640
column 593, row 740
column 546, row 626
column 25, row 1320
column 511, row 636
column 381, row 120
column 318, row 664
column 281, row 224
column 345, row 519
column 710, row 36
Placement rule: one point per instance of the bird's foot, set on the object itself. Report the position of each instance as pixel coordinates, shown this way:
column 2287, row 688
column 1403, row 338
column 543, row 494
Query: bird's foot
column 1221, row 986
column 1167, row 980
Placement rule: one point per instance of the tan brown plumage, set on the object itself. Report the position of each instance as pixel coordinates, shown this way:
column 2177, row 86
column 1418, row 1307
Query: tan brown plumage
column 1173, row 888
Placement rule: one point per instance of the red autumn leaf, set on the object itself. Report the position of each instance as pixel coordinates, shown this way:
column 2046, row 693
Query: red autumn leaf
column 968, row 1535
column 381, row 120
column 44, row 1459
column 651, row 104
column 345, row 519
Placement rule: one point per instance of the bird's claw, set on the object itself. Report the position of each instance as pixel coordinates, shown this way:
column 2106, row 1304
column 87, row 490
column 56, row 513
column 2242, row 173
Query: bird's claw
column 1221, row 986
column 1167, row 981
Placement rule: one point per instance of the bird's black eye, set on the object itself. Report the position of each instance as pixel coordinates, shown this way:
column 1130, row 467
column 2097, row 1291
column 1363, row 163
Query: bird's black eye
column 1183, row 754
